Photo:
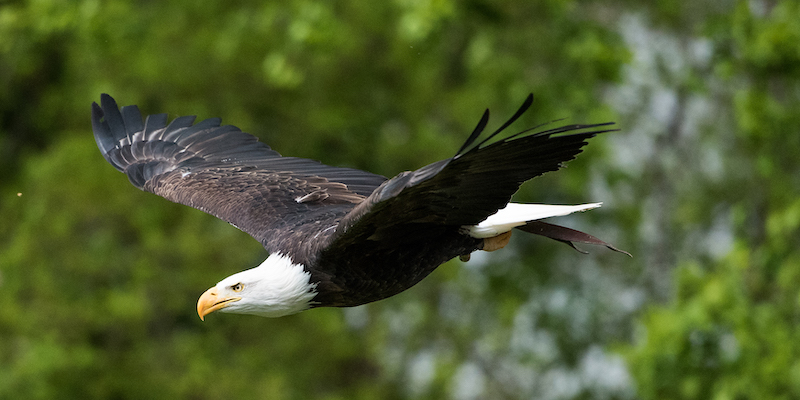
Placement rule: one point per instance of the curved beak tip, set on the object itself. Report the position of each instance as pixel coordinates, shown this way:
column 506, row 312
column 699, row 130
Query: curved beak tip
column 206, row 302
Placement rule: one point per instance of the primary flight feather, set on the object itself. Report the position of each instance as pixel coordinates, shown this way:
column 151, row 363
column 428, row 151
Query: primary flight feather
column 339, row 237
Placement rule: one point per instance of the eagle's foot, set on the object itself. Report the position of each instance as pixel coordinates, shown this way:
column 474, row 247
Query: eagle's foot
column 496, row 242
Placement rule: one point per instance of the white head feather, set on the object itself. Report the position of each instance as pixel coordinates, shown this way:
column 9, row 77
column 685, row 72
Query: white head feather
column 275, row 288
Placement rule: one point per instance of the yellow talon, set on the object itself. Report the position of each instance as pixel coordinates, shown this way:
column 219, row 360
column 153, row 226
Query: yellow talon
column 496, row 242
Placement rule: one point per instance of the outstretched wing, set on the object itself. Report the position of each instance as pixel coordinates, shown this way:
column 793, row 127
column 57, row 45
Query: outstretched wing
column 470, row 186
column 226, row 172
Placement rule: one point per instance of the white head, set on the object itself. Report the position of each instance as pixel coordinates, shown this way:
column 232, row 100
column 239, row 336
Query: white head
column 275, row 288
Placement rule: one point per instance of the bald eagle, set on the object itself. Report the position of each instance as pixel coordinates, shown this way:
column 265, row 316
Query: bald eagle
column 340, row 237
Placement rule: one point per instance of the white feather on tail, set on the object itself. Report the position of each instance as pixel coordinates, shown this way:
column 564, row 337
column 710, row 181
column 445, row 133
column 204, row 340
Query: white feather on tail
column 516, row 214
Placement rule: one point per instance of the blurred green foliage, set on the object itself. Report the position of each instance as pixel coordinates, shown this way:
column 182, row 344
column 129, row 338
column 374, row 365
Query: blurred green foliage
column 98, row 281
column 731, row 329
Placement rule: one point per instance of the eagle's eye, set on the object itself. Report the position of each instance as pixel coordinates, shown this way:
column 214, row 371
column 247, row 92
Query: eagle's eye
column 237, row 287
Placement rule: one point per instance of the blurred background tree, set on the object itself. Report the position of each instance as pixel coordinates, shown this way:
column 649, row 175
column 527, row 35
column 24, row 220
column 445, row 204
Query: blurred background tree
column 98, row 281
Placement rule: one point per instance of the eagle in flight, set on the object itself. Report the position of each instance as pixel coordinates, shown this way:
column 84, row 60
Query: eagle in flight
column 340, row 237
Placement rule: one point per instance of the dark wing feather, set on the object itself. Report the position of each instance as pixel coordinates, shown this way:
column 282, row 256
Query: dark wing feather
column 226, row 172
column 566, row 235
column 467, row 188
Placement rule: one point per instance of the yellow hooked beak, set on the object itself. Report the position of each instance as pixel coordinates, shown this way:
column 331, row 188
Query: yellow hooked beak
column 210, row 301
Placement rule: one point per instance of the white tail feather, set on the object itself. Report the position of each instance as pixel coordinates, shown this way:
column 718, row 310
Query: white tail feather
column 515, row 214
